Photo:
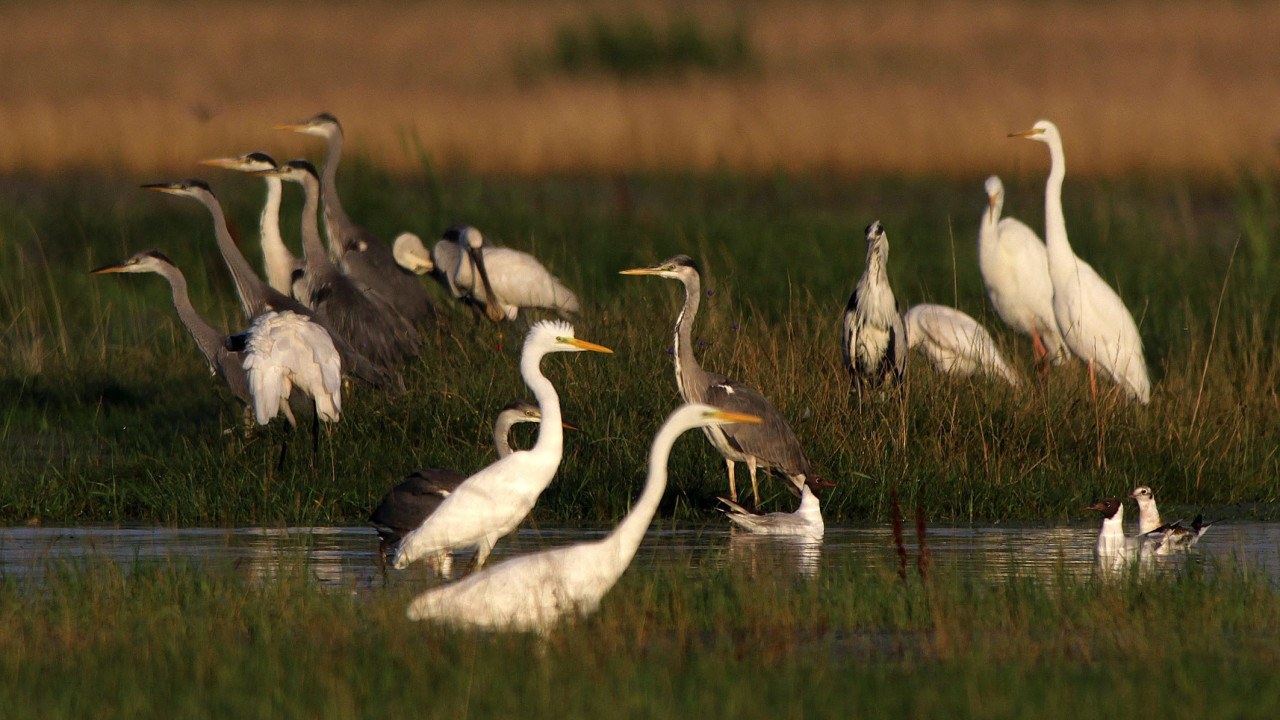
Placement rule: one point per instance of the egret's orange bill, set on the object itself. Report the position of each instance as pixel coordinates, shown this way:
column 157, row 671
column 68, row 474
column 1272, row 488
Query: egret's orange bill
column 738, row 417
column 584, row 345
column 567, row 426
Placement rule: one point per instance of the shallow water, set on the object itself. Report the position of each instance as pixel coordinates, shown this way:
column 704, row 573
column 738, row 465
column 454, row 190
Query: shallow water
column 347, row 556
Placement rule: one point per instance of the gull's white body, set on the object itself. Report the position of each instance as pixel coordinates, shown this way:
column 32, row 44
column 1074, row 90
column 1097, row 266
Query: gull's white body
column 1094, row 321
column 516, row 278
column 1171, row 537
column 286, row 350
column 805, row 522
column 533, row 592
column 955, row 343
column 492, row 502
column 1015, row 271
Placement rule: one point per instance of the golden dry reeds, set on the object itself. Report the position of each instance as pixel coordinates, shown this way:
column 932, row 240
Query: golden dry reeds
column 900, row 87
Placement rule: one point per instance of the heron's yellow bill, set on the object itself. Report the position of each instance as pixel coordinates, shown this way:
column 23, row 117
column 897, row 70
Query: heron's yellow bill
column 639, row 271
column 293, row 127
column 1026, row 133
column 230, row 163
column 107, row 269
column 584, row 345
column 163, row 187
column 737, row 417
column 274, row 172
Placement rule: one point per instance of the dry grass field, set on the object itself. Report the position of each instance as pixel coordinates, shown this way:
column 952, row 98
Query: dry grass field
column 927, row 86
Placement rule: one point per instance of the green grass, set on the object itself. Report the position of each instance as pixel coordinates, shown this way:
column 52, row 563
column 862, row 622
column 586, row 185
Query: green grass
column 96, row 641
column 110, row 415
column 635, row 47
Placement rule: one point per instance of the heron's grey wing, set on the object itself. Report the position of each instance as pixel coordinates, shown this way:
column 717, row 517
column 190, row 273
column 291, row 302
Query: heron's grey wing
column 898, row 344
column 850, row 334
column 772, row 442
column 405, row 506
column 371, row 265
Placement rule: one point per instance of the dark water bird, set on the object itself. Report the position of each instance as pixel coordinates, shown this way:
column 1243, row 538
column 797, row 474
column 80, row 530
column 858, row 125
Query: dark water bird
column 874, row 336
column 365, row 259
column 256, row 297
column 770, row 445
column 406, row 505
column 533, row 592
column 375, row 328
column 279, row 263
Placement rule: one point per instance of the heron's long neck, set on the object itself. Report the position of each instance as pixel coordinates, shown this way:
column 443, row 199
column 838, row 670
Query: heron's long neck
column 277, row 261
column 312, row 248
column 631, row 530
column 336, row 222
column 687, row 367
column 550, row 434
column 502, row 434
column 248, row 286
column 205, row 335
column 1055, row 223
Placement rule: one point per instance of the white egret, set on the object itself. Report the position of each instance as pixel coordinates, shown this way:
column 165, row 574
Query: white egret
column 955, row 343
column 874, row 339
column 1015, row 270
column 532, row 592
column 492, row 502
column 1094, row 321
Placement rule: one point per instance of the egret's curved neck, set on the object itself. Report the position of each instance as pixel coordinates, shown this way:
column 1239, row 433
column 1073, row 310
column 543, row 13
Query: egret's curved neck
column 988, row 231
column 248, row 286
column 277, row 261
column 687, row 367
column 206, row 336
column 631, row 530
column 1055, row 223
column 336, row 221
column 312, row 248
column 550, row 434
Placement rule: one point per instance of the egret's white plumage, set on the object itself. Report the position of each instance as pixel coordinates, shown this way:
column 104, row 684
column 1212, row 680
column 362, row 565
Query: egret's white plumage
column 533, row 592
column 805, row 522
column 874, row 337
column 516, row 279
column 1015, row 270
column 955, row 343
column 284, row 350
column 1094, row 321
column 490, row 503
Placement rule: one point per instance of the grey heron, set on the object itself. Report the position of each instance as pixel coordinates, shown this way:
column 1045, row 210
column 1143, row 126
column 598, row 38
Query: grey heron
column 493, row 501
column 406, row 505
column 381, row 333
column 533, row 592
column 1015, row 270
column 256, row 297
column 874, row 338
column 1094, row 321
column 278, row 261
column 955, row 343
column 367, row 260
column 806, row 522
column 770, row 445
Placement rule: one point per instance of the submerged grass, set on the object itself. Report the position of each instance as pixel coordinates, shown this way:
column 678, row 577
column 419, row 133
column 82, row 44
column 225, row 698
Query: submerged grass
column 111, row 416
column 99, row 641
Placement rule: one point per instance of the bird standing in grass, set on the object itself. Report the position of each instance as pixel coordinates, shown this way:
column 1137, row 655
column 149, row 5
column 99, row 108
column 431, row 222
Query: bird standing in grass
column 1094, row 321
column 874, row 336
column 533, row 592
column 772, row 444
column 279, row 263
column 493, row 501
column 1015, row 271
column 955, row 343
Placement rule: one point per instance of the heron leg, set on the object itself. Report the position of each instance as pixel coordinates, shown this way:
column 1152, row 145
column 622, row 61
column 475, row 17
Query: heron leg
column 755, row 485
column 733, row 485
column 445, row 564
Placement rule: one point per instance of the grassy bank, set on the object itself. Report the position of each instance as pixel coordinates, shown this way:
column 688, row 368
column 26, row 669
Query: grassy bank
column 175, row 641
column 110, row 414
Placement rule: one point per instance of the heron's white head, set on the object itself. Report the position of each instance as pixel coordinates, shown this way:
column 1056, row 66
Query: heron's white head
column 1043, row 131
column 521, row 411
column 557, row 336
column 299, row 171
column 1143, row 495
column 1109, row 508
column 191, row 187
column 673, row 268
column 251, row 162
column 411, row 254
column 323, row 125
column 877, row 243
column 145, row 261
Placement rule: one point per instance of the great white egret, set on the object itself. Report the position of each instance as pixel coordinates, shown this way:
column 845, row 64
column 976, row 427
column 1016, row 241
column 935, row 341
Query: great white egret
column 1015, row 270
column 533, row 592
column 805, row 522
column 1093, row 319
column 492, row 502
column 772, row 444
column 874, row 339
column 955, row 343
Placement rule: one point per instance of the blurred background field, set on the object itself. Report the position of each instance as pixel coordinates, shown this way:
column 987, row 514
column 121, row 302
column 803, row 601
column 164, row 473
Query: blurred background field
column 520, row 87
